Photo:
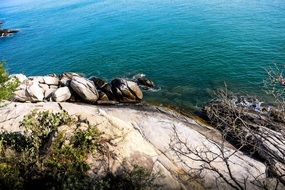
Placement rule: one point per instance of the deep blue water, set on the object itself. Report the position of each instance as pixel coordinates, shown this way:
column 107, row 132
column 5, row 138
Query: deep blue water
column 188, row 47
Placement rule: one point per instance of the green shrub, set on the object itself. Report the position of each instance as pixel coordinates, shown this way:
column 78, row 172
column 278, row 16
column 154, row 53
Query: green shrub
column 7, row 87
column 138, row 178
column 45, row 157
column 42, row 158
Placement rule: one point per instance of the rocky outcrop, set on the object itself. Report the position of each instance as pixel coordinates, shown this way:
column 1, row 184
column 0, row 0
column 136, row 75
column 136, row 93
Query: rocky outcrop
column 103, row 96
column 85, row 89
column 145, row 135
column 7, row 32
column 62, row 94
column 49, row 93
column 103, row 86
column 20, row 95
column 34, row 91
column 145, row 82
column 93, row 90
column 126, row 91
column 51, row 80
column 65, row 78
column 29, row 92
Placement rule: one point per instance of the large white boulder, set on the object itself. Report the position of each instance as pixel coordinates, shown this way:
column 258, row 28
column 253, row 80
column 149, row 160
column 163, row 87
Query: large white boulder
column 61, row 94
column 20, row 77
column 34, row 91
column 51, row 80
column 84, row 88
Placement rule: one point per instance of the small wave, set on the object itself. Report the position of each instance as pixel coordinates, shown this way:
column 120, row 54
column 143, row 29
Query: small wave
column 139, row 75
column 6, row 36
column 157, row 89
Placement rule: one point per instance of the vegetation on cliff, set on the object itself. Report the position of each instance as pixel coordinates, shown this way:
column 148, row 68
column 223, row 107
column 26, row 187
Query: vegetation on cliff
column 254, row 127
column 7, row 86
column 53, row 152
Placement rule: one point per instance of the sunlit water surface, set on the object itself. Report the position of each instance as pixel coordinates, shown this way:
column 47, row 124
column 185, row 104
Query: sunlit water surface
column 188, row 47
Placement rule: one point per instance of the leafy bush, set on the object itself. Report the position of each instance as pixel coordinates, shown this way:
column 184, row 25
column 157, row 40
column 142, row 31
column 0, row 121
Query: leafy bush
column 138, row 178
column 7, row 87
column 47, row 157
column 42, row 158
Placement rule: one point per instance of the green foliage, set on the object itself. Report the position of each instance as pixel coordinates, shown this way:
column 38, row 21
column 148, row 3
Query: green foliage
column 46, row 156
column 41, row 125
column 85, row 139
column 7, row 86
column 3, row 74
column 138, row 178
column 43, row 158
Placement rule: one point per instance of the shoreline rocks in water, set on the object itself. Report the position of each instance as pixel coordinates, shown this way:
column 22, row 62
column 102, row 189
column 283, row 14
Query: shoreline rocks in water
column 6, row 32
column 126, row 91
column 143, row 81
column 252, row 127
column 85, row 89
column 174, row 144
column 75, row 88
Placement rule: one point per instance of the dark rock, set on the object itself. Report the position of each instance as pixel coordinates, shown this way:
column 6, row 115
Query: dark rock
column 98, row 82
column 65, row 78
column 103, row 86
column 126, row 91
column 103, row 96
column 7, row 32
column 145, row 82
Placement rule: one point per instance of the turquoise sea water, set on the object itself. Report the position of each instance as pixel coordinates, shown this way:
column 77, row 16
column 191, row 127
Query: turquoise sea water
column 188, row 47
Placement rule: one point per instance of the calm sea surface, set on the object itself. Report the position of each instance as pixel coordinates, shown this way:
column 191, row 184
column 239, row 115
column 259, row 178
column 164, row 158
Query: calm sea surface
column 188, row 47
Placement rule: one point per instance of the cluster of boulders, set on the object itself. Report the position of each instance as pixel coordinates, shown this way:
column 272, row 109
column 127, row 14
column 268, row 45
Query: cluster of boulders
column 76, row 88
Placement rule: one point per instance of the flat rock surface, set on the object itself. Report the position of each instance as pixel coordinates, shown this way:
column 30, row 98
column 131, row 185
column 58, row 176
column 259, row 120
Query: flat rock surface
column 146, row 133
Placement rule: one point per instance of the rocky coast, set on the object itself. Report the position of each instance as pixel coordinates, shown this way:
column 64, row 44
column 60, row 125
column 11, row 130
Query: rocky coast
column 146, row 136
column 188, row 154
column 75, row 88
